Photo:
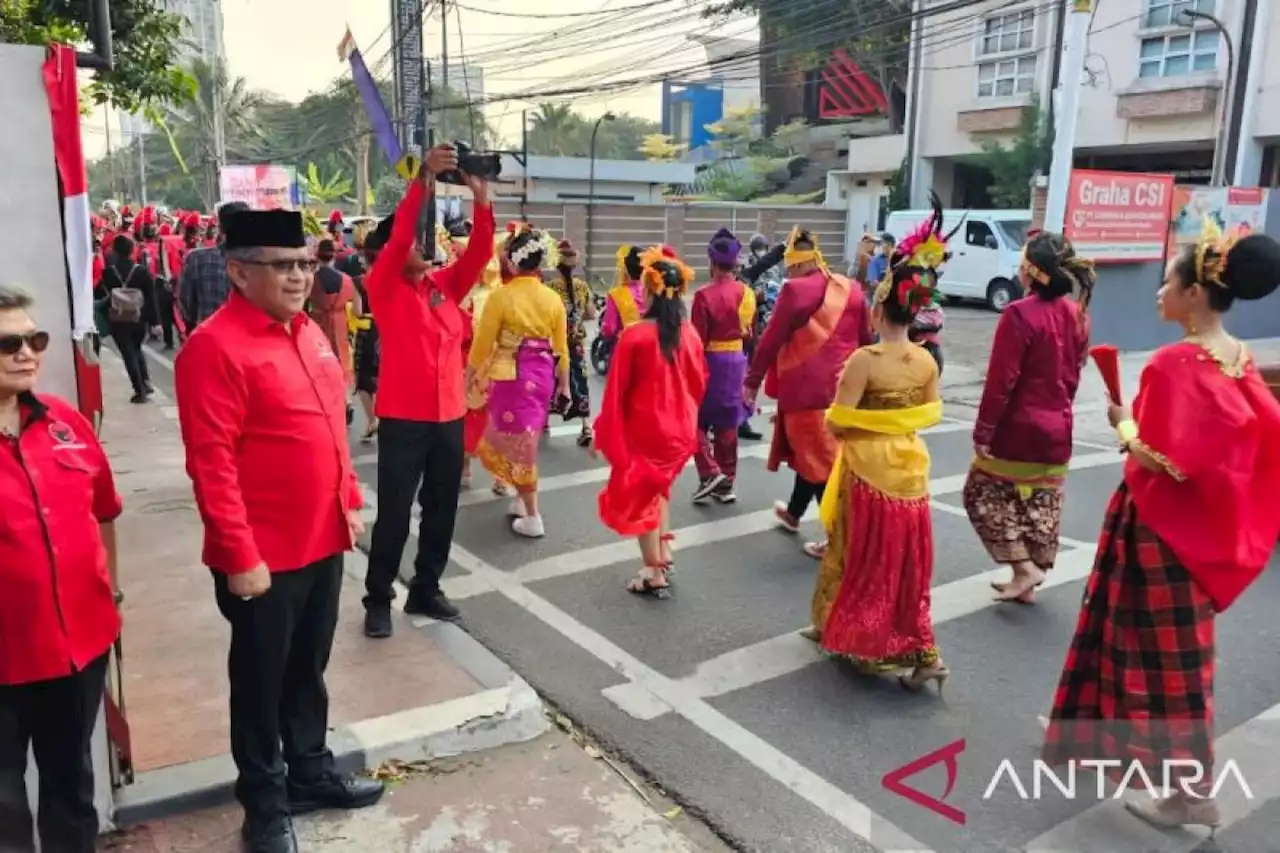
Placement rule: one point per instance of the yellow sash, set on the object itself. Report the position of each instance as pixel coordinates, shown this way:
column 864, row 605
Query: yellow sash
column 1026, row 477
column 883, row 421
column 625, row 302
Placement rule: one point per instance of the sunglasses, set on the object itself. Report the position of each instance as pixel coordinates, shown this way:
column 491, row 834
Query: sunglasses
column 285, row 267
column 12, row 344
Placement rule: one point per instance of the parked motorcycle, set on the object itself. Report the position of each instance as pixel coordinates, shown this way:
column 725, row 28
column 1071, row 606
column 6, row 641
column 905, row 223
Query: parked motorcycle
column 601, row 354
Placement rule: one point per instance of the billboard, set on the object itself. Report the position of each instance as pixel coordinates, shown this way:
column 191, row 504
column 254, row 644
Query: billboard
column 265, row 186
column 1234, row 208
column 1119, row 217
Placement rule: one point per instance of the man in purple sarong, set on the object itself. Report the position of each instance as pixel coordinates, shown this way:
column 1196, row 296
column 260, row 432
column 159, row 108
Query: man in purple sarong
column 723, row 314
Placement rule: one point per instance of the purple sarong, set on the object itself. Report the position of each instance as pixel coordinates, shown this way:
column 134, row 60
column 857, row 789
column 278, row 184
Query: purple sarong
column 723, row 407
column 517, row 413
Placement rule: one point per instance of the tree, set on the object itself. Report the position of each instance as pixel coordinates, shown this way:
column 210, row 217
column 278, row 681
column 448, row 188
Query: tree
column 1013, row 167
column 323, row 191
column 145, row 38
column 659, row 148
column 875, row 33
column 899, row 187
column 557, row 130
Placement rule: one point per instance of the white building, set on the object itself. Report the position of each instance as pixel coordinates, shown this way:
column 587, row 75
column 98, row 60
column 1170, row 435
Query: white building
column 204, row 29
column 1152, row 100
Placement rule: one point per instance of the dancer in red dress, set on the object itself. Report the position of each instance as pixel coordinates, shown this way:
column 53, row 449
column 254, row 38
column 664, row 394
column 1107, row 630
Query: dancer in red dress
column 648, row 423
column 1190, row 527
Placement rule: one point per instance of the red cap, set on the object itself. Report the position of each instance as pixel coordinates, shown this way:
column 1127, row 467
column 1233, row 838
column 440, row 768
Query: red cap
column 335, row 217
column 166, row 230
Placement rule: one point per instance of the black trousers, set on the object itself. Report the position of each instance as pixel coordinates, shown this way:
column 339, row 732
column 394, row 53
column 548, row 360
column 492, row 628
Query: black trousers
column 421, row 457
column 56, row 718
column 164, row 307
column 280, row 645
column 802, row 494
column 129, row 338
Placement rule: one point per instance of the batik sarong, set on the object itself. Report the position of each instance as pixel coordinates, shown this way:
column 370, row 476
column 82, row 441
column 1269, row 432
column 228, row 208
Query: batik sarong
column 517, row 414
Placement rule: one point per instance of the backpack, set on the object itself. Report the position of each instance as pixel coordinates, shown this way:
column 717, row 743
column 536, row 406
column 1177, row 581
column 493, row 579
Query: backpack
column 125, row 303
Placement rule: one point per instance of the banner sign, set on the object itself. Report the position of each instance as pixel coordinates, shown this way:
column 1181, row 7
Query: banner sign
column 406, row 34
column 264, row 187
column 1119, row 217
column 1234, row 208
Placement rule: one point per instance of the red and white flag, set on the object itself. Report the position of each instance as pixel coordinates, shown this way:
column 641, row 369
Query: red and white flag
column 73, row 178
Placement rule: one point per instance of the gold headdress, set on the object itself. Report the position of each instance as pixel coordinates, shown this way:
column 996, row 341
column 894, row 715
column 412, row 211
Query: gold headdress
column 1212, row 250
column 620, row 264
column 926, row 249
column 793, row 257
column 656, row 279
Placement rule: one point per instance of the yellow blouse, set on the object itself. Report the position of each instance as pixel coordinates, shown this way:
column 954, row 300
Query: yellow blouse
column 522, row 309
column 888, row 393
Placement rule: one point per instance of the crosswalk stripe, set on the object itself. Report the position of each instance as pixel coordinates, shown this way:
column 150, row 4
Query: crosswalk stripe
column 1253, row 746
column 782, row 655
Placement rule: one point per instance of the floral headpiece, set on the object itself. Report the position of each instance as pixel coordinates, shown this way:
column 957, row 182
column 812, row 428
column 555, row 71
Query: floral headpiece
column 1212, row 250
column 655, row 278
column 542, row 242
column 925, row 248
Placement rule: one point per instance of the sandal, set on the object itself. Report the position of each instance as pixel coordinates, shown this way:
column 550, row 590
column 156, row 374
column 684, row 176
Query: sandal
column 1023, row 584
column 652, row 580
column 585, row 438
column 1027, row 598
column 665, row 541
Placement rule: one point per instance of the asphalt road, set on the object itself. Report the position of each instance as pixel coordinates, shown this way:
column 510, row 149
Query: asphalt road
column 715, row 698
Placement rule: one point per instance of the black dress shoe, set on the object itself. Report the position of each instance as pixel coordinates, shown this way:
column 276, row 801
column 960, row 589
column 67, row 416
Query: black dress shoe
column 437, row 606
column 377, row 622
column 746, row 431
column 334, row 791
column 272, row 837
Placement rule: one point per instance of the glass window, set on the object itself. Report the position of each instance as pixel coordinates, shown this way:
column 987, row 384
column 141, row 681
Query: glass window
column 1174, row 55
column 1165, row 13
column 976, row 233
column 1008, row 33
column 1007, row 77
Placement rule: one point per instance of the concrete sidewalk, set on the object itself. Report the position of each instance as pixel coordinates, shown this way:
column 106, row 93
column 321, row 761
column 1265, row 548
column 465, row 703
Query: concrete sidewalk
column 432, row 691
column 547, row 796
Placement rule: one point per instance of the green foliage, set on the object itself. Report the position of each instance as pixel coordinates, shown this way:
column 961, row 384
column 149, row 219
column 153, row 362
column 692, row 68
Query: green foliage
column 145, row 39
column 321, row 191
column 557, row 130
column 725, row 183
column 659, row 148
column 327, row 130
column 1013, row 166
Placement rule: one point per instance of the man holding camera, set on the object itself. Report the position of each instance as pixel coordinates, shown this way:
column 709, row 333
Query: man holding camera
column 420, row 404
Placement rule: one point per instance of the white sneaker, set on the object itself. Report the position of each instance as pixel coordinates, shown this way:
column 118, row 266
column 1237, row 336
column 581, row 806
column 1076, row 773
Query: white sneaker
column 517, row 509
column 503, row 490
column 529, row 526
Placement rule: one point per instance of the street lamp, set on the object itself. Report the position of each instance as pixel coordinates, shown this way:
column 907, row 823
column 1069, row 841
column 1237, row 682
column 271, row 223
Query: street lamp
column 1189, row 17
column 591, row 190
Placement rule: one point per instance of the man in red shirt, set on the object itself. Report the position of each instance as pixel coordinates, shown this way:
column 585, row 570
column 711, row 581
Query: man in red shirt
column 262, row 404
column 58, row 619
column 420, row 404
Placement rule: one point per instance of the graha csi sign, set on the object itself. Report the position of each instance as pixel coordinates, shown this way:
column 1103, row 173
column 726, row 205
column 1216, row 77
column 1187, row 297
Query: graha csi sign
column 1119, row 216
column 1040, row 781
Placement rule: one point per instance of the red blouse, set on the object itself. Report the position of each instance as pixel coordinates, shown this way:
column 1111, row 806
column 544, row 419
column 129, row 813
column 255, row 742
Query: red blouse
column 1039, row 349
column 1216, row 430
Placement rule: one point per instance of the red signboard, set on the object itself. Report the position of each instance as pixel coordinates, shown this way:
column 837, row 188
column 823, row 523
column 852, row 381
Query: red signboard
column 1115, row 217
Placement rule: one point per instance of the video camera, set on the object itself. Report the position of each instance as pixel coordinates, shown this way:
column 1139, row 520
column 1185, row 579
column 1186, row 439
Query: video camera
column 485, row 166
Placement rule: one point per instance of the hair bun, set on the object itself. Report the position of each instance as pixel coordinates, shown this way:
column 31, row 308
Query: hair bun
column 1253, row 267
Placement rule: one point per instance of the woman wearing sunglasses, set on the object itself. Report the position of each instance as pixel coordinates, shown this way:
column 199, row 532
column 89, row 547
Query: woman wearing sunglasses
column 58, row 608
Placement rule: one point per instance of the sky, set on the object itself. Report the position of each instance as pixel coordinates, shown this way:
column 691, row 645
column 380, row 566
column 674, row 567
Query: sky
column 289, row 48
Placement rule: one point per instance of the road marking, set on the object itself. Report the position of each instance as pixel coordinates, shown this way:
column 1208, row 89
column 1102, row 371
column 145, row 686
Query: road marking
column 747, row 524
column 782, row 655
column 786, row 771
column 1253, row 746
column 167, row 406
column 162, row 360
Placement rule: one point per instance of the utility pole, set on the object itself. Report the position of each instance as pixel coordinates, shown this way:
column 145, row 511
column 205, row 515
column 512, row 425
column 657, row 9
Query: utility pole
column 111, row 160
column 444, row 57
column 1064, row 136
column 140, row 138
column 524, row 165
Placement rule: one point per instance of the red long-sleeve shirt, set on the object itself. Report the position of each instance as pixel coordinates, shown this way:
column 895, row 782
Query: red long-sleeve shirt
column 263, row 413
column 420, row 326
column 1039, row 348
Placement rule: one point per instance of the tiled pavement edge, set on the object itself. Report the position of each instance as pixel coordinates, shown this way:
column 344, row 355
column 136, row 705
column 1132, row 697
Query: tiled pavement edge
column 430, row 692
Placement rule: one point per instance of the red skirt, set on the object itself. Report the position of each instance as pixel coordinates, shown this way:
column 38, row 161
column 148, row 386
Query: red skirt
column 880, row 617
column 1138, row 681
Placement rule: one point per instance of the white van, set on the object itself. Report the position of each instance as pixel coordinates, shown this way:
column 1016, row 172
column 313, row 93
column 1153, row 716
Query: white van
column 985, row 253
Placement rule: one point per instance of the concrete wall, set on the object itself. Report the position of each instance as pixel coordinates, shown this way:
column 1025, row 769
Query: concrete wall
column 686, row 227
column 1124, row 304
column 31, row 244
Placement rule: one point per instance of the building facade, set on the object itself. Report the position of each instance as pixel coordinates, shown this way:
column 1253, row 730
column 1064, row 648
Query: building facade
column 1156, row 93
column 689, row 105
column 204, row 29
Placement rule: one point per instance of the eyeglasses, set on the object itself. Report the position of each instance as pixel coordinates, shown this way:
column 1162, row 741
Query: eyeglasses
column 286, row 266
column 12, row 344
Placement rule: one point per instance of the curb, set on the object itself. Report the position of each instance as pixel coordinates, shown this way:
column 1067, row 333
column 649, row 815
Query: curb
column 506, row 711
